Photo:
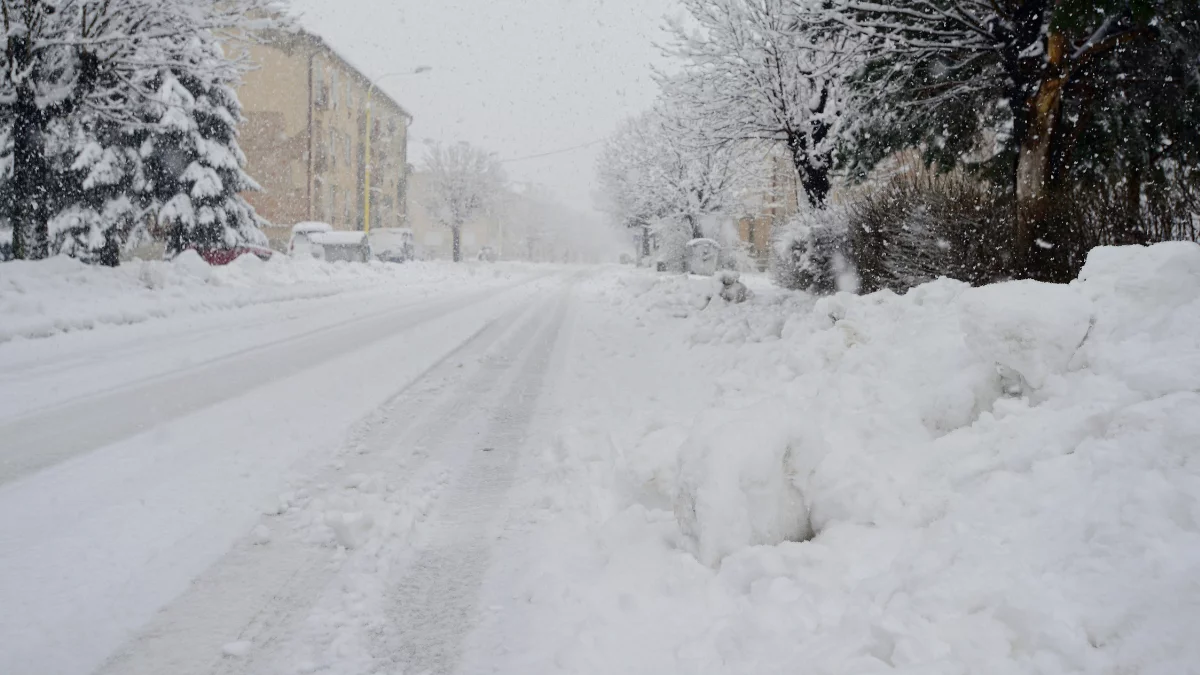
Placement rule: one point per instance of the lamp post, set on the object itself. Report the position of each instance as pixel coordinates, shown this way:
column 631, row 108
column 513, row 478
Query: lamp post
column 367, row 151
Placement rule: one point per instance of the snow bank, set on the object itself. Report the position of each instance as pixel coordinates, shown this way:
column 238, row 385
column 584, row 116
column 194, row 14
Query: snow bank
column 957, row 480
column 42, row 298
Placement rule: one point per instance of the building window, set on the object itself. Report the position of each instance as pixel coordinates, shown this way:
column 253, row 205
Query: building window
column 349, row 150
column 329, row 203
column 333, row 145
column 320, row 91
column 333, row 88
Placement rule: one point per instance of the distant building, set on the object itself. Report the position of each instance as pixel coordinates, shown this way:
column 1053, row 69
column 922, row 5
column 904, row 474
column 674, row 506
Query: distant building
column 304, row 138
column 769, row 208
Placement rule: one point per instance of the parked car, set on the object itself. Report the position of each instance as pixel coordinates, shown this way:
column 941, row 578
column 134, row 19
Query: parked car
column 300, row 245
column 487, row 254
column 223, row 256
column 341, row 245
column 393, row 244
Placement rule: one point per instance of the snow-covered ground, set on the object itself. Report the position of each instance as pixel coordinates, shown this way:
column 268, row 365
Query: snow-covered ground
column 525, row 470
column 38, row 299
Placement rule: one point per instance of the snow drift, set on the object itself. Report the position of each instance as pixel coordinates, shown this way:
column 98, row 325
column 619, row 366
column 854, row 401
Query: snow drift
column 957, row 480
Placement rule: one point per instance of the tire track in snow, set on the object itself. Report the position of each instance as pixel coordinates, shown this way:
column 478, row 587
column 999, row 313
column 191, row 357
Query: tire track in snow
column 436, row 605
column 263, row 594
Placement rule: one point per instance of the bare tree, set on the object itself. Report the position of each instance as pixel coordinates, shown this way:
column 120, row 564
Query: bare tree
column 464, row 181
column 658, row 167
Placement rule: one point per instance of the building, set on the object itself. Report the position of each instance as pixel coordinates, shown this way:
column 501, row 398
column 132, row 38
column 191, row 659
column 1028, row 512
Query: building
column 769, row 207
column 304, row 138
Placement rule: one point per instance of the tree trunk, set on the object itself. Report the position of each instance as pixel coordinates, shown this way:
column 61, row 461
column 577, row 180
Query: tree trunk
column 30, row 210
column 1035, row 186
column 457, row 235
column 814, row 180
column 1128, row 222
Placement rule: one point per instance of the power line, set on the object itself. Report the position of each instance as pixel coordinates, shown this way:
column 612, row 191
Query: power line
column 553, row 152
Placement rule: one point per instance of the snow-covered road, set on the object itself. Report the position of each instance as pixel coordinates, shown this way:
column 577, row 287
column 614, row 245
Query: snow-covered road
column 144, row 457
column 524, row 470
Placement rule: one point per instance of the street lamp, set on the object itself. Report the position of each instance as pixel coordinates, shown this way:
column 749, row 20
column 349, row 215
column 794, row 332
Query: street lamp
column 367, row 167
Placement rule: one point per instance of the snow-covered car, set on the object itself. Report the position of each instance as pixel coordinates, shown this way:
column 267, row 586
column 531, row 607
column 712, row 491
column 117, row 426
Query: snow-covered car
column 393, row 244
column 351, row 246
column 487, row 254
column 300, row 245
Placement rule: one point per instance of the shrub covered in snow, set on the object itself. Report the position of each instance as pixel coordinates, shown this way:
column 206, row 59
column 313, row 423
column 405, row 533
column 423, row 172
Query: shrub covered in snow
column 811, row 254
column 920, row 226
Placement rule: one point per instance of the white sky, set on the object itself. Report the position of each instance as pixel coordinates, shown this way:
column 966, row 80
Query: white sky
column 519, row 77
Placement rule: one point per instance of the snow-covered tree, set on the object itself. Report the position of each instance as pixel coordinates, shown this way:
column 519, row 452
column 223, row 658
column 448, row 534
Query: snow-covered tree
column 98, row 186
column 658, row 171
column 76, row 80
column 765, row 71
column 194, row 166
column 1020, row 87
column 464, row 181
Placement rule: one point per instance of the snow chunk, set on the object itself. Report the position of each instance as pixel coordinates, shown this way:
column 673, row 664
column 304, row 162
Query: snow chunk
column 237, row 649
column 735, row 488
column 261, row 535
column 1029, row 327
column 351, row 530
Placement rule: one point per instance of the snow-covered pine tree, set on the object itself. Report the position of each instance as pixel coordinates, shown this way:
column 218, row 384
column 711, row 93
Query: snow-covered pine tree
column 99, row 187
column 193, row 164
column 75, row 75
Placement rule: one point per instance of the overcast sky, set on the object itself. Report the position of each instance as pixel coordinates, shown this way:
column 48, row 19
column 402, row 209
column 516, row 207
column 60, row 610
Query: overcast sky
column 519, row 77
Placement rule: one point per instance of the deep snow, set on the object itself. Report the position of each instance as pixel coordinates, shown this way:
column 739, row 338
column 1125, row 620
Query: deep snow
column 994, row 480
column 957, row 480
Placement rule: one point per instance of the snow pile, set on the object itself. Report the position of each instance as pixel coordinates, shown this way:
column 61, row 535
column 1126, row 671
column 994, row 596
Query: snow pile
column 42, row 298
column 957, row 480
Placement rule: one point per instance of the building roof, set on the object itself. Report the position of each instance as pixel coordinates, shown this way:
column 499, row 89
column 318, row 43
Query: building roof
column 290, row 39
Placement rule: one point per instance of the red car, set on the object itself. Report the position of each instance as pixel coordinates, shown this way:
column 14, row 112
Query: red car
column 224, row 256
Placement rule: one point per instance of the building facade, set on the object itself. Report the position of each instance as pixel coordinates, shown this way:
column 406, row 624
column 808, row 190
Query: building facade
column 305, row 139
column 769, row 208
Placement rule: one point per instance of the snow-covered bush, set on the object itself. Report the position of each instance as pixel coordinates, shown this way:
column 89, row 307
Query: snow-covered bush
column 673, row 236
column 920, row 226
column 810, row 254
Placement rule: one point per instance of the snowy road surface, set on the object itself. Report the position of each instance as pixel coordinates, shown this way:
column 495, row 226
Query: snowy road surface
column 149, row 463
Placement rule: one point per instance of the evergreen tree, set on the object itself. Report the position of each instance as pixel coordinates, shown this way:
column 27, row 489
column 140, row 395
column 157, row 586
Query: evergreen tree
column 76, row 80
column 194, row 166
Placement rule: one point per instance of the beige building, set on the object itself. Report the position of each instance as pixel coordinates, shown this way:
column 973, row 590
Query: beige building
column 304, row 138
column 770, row 207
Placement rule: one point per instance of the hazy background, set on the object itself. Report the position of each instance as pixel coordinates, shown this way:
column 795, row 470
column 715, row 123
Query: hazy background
column 519, row 77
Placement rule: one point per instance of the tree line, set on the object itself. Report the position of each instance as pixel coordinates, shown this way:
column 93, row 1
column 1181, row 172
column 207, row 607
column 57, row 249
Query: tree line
column 119, row 115
column 1061, row 124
